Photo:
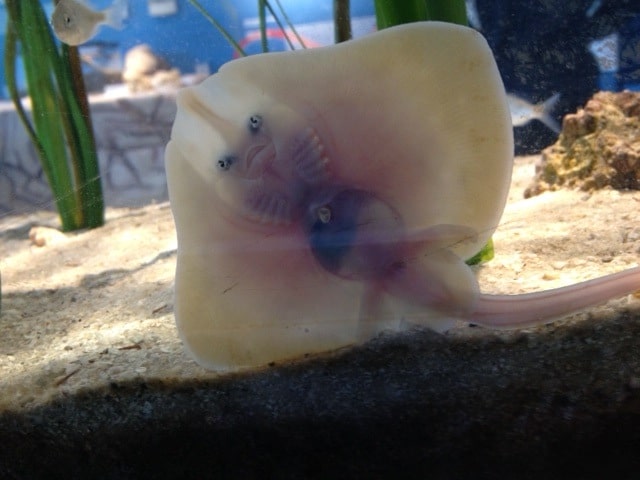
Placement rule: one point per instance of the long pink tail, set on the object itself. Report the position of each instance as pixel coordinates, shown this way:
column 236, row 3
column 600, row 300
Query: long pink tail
column 528, row 309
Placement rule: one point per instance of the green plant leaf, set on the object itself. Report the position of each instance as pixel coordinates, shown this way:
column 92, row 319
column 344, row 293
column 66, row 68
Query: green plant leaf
column 452, row 11
column 227, row 36
column 484, row 255
column 59, row 128
column 395, row 12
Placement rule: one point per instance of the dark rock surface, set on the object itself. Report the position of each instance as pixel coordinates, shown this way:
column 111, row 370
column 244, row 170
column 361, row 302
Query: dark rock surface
column 94, row 382
column 556, row 402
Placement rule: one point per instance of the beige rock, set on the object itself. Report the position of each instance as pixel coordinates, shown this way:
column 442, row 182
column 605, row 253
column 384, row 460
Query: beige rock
column 599, row 147
column 144, row 70
column 42, row 236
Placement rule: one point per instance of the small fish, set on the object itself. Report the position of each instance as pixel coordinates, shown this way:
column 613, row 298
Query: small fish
column 522, row 112
column 74, row 22
column 473, row 15
column 593, row 9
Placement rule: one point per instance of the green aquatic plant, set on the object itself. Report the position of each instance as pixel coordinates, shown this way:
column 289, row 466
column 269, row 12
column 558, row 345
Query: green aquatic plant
column 341, row 20
column 394, row 12
column 289, row 24
column 262, row 15
column 263, row 6
column 59, row 125
column 223, row 31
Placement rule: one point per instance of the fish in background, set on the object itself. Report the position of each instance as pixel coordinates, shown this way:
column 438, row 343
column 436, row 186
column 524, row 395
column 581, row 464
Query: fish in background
column 522, row 112
column 74, row 22
column 472, row 14
column 593, row 8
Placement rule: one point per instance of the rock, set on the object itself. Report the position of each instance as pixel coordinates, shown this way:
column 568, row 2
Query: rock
column 144, row 70
column 598, row 147
column 556, row 404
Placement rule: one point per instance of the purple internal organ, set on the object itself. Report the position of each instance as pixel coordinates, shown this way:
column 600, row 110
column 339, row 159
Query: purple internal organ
column 356, row 235
column 350, row 232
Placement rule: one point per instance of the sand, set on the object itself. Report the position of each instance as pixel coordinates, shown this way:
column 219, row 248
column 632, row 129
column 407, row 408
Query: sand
column 93, row 308
column 94, row 382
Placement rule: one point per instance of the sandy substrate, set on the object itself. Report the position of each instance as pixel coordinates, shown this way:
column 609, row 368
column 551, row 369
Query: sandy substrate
column 93, row 309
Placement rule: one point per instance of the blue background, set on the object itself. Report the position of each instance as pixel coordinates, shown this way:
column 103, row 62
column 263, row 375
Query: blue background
column 187, row 38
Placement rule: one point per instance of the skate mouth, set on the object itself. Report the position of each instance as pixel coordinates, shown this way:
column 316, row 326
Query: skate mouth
column 258, row 159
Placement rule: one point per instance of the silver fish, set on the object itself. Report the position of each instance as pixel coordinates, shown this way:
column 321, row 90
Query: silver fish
column 522, row 112
column 593, row 8
column 74, row 22
column 473, row 15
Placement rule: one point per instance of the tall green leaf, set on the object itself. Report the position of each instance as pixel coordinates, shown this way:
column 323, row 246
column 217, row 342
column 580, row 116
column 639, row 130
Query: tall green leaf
column 59, row 126
column 396, row 12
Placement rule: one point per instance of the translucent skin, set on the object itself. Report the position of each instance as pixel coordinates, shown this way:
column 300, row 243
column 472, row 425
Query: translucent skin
column 356, row 235
column 427, row 132
column 322, row 196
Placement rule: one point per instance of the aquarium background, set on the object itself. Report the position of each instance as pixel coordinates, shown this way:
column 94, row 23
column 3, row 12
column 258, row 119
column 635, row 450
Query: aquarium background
column 531, row 40
column 545, row 47
column 101, row 301
column 175, row 30
column 133, row 128
column 542, row 48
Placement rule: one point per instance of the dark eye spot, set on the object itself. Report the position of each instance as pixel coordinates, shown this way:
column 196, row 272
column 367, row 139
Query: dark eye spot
column 225, row 163
column 67, row 19
column 255, row 122
column 324, row 214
